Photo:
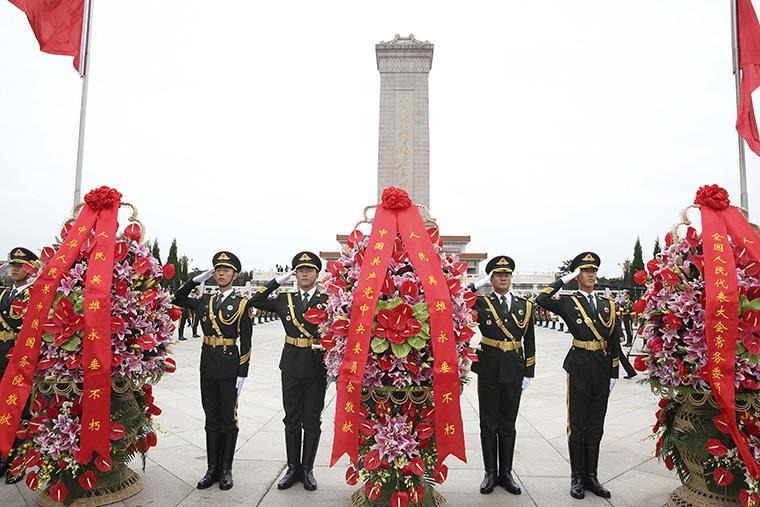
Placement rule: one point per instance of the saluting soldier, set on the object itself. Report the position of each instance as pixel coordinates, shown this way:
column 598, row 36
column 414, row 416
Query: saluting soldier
column 224, row 367
column 506, row 363
column 591, row 364
column 304, row 377
column 23, row 262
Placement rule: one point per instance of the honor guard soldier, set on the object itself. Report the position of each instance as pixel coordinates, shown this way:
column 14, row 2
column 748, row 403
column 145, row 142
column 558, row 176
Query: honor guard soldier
column 591, row 364
column 23, row 263
column 627, row 313
column 224, row 367
column 303, row 373
column 505, row 366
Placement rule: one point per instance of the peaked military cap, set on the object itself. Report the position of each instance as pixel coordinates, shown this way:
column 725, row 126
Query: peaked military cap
column 307, row 260
column 586, row 260
column 21, row 255
column 500, row 264
column 226, row 259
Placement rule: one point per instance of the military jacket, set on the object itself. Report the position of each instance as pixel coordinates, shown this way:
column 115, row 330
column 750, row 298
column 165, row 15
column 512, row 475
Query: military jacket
column 301, row 362
column 593, row 365
column 516, row 324
column 10, row 322
column 231, row 321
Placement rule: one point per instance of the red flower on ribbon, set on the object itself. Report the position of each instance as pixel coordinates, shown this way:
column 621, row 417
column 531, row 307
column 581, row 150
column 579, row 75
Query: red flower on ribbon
column 64, row 323
column 397, row 325
column 396, row 198
column 102, row 198
column 712, row 196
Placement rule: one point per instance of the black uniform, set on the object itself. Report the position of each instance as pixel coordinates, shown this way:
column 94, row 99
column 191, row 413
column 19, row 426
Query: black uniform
column 589, row 371
column 304, row 378
column 10, row 325
column 222, row 362
column 626, row 314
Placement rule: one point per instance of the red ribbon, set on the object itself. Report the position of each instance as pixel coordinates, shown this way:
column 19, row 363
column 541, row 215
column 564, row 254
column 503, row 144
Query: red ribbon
column 448, row 417
column 722, row 310
column 16, row 384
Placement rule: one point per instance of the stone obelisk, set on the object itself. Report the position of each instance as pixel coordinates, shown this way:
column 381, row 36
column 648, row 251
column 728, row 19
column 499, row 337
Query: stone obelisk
column 404, row 148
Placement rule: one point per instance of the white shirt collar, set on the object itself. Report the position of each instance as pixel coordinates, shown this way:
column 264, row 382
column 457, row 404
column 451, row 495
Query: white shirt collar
column 223, row 295
column 508, row 295
column 19, row 290
column 310, row 293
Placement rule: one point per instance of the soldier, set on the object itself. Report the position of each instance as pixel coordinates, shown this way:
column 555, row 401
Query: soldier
column 591, row 364
column 23, row 263
column 303, row 374
column 223, row 367
column 505, row 367
column 626, row 310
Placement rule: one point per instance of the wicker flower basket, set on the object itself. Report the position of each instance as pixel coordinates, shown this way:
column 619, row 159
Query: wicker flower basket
column 359, row 499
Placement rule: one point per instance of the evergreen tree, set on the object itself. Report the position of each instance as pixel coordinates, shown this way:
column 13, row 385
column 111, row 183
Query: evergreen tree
column 657, row 248
column 173, row 284
column 637, row 264
column 627, row 273
column 183, row 269
column 156, row 251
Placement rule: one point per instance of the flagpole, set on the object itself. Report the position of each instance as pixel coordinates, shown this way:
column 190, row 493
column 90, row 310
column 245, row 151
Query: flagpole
column 84, row 63
column 737, row 83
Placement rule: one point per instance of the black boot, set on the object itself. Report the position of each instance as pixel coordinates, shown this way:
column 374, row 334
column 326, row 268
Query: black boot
column 4, row 465
column 488, row 445
column 228, row 454
column 506, row 452
column 212, row 457
column 577, row 469
column 293, row 449
column 310, row 444
column 590, row 481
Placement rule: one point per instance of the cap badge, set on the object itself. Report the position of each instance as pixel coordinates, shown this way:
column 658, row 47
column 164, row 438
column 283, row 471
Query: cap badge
column 503, row 261
column 19, row 253
column 304, row 257
column 588, row 257
column 223, row 257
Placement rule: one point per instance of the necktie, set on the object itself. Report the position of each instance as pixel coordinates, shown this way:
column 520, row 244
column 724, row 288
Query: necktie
column 504, row 303
column 591, row 302
column 305, row 299
column 13, row 294
column 218, row 302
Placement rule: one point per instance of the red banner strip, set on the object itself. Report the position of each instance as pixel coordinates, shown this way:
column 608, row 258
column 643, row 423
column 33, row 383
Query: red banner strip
column 449, row 431
column 96, row 339
column 721, row 321
column 16, row 384
column 372, row 274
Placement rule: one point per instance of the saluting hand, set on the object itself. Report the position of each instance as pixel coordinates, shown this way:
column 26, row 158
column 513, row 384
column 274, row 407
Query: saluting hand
column 482, row 282
column 203, row 276
column 286, row 277
column 571, row 276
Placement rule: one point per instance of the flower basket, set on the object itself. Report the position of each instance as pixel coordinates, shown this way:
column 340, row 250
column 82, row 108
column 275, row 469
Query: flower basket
column 396, row 330
column 96, row 331
column 701, row 315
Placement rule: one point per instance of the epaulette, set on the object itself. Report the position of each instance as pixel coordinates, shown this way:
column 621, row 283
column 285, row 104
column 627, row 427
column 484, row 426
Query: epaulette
column 262, row 289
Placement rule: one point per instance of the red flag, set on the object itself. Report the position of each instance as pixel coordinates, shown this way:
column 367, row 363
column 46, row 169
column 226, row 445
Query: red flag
column 57, row 25
column 749, row 63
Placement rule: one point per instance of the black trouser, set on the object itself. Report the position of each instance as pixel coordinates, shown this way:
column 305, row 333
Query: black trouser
column 498, row 405
column 303, row 400
column 587, row 406
column 219, row 399
column 627, row 324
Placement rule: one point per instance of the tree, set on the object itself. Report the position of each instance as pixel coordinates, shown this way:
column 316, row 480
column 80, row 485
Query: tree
column 156, row 251
column 627, row 273
column 637, row 264
column 657, row 248
column 173, row 284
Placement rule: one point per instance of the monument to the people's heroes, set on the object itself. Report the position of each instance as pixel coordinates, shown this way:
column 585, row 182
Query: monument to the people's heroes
column 403, row 152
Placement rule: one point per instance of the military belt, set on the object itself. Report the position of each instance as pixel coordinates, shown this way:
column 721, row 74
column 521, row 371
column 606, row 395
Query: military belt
column 500, row 344
column 302, row 343
column 589, row 345
column 7, row 336
column 215, row 341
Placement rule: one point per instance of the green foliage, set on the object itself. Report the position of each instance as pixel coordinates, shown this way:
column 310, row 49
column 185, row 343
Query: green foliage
column 637, row 263
column 156, row 251
column 657, row 248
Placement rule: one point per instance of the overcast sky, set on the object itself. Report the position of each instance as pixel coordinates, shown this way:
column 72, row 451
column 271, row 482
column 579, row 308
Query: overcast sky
column 555, row 126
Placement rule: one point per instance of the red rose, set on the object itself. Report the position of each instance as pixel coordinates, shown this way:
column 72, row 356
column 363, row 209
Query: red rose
column 640, row 277
column 102, row 198
column 58, row 492
column 672, row 321
column 168, row 271
column 722, row 477
column 87, row 480
column 712, row 196
column 396, row 198
column 639, row 306
column 715, row 448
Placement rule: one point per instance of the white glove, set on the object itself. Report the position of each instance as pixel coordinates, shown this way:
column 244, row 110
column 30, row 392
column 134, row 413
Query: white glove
column 239, row 384
column 203, row 276
column 482, row 282
column 526, row 383
column 612, row 384
column 571, row 276
column 286, row 277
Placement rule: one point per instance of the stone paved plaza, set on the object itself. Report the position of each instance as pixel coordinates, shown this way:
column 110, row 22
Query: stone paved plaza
column 627, row 466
